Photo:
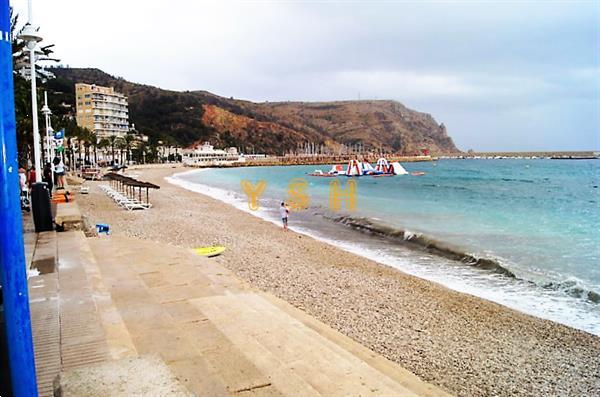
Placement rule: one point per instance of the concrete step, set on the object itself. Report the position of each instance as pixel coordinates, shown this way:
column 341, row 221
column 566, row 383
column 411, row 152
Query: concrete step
column 220, row 337
column 288, row 350
column 68, row 217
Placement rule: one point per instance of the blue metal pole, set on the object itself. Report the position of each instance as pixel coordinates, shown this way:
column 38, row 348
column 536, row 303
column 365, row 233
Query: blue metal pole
column 13, row 274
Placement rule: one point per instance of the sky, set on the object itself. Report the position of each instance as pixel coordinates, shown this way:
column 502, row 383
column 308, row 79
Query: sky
column 502, row 76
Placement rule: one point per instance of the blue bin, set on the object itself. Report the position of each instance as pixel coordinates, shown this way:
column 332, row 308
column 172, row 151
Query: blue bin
column 102, row 228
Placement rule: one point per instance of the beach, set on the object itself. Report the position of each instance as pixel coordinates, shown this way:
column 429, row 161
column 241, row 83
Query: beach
column 466, row 345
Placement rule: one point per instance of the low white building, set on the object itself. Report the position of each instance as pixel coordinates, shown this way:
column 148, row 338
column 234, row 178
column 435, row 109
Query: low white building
column 206, row 154
column 253, row 156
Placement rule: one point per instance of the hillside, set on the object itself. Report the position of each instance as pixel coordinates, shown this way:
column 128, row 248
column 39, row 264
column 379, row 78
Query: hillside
column 275, row 128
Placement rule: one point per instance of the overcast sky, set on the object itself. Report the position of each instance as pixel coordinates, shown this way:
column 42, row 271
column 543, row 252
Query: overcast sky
column 501, row 75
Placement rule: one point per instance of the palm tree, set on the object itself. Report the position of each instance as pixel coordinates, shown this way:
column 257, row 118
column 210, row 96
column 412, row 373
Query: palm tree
column 112, row 140
column 21, row 55
column 129, row 139
column 153, row 152
column 86, row 139
column 121, row 145
column 103, row 144
column 141, row 150
column 94, row 140
column 80, row 140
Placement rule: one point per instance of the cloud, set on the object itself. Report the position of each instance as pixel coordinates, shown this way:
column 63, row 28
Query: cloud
column 467, row 63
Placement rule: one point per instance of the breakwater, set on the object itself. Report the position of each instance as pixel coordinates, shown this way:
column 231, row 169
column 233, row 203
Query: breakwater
column 312, row 160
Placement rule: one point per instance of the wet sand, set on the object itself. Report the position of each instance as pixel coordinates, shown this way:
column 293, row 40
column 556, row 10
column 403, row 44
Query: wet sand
column 464, row 344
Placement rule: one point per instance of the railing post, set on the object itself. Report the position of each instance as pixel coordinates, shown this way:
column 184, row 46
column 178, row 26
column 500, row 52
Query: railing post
column 13, row 274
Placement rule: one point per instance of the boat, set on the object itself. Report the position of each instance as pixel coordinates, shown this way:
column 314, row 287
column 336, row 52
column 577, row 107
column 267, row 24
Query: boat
column 417, row 173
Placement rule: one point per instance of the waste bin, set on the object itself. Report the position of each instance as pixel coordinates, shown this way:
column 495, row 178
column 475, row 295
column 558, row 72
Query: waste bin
column 40, row 205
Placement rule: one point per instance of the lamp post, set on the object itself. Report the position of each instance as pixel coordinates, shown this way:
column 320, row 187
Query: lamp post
column 40, row 197
column 31, row 38
column 47, row 112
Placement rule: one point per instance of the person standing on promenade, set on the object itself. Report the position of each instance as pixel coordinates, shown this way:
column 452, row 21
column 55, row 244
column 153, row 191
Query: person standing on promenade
column 284, row 212
column 31, row 178
column 59, row 172
column 47, row 177
column 23, row 179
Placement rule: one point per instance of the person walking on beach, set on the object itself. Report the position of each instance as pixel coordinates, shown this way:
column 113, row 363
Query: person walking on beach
column 284, row 212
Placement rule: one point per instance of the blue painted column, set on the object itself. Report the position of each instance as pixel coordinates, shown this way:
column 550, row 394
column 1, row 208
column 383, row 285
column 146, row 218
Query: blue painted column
column 13, row 274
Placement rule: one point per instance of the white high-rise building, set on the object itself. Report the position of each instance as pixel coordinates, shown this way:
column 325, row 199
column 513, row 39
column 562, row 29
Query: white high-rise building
column 101, row 110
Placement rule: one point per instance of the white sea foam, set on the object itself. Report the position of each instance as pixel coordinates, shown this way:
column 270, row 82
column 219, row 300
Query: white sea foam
column 522, row 296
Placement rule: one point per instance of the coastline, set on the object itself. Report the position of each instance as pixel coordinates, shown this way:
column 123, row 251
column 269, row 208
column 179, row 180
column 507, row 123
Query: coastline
column 464, row 344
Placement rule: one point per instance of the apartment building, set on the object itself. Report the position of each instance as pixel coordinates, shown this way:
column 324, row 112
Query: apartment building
column 101, row 110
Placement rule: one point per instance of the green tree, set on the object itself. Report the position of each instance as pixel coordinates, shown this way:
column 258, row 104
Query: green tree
column 129, row 141
column 121, row 145
column 112, row 140
column 85, row 137
column 103, row 144
column 94, row 141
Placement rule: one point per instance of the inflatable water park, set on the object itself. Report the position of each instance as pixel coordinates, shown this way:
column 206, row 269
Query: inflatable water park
column 356, row 168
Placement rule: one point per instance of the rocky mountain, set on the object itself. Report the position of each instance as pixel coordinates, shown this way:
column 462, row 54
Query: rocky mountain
column 274, row 128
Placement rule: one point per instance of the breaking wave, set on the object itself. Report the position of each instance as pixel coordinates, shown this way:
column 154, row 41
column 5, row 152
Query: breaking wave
column 572, row 286
column 575, row 288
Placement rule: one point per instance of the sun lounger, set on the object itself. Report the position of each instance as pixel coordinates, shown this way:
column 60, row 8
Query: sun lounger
column 123, row 200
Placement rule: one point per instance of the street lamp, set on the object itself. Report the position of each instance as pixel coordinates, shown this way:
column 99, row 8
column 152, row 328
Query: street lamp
column 31, row 37
column 47, row 112
column 40, row 197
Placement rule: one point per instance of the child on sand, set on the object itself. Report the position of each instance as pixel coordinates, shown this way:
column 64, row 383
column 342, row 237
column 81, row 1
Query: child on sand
column 284, row 211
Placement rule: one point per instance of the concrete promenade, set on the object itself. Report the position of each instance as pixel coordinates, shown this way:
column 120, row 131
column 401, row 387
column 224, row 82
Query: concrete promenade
column 112, row 299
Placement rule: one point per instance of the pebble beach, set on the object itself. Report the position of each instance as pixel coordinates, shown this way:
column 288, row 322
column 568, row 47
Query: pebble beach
column 466, row 345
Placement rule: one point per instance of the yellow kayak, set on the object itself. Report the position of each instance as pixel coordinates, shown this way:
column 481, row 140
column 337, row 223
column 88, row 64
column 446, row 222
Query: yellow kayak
column 209, row 251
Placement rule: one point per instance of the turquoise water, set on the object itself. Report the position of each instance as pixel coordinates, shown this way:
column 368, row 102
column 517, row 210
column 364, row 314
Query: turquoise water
column 539, row 219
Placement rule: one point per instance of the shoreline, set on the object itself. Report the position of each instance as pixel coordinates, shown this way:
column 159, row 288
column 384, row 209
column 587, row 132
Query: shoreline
column 464, row 344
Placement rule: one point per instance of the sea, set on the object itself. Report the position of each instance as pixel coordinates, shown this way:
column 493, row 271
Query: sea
column 524, row 233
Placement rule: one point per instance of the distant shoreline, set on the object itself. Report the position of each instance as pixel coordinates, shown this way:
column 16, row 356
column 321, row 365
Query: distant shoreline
column 285, row 161
column 591, row 155
column 312, row 160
